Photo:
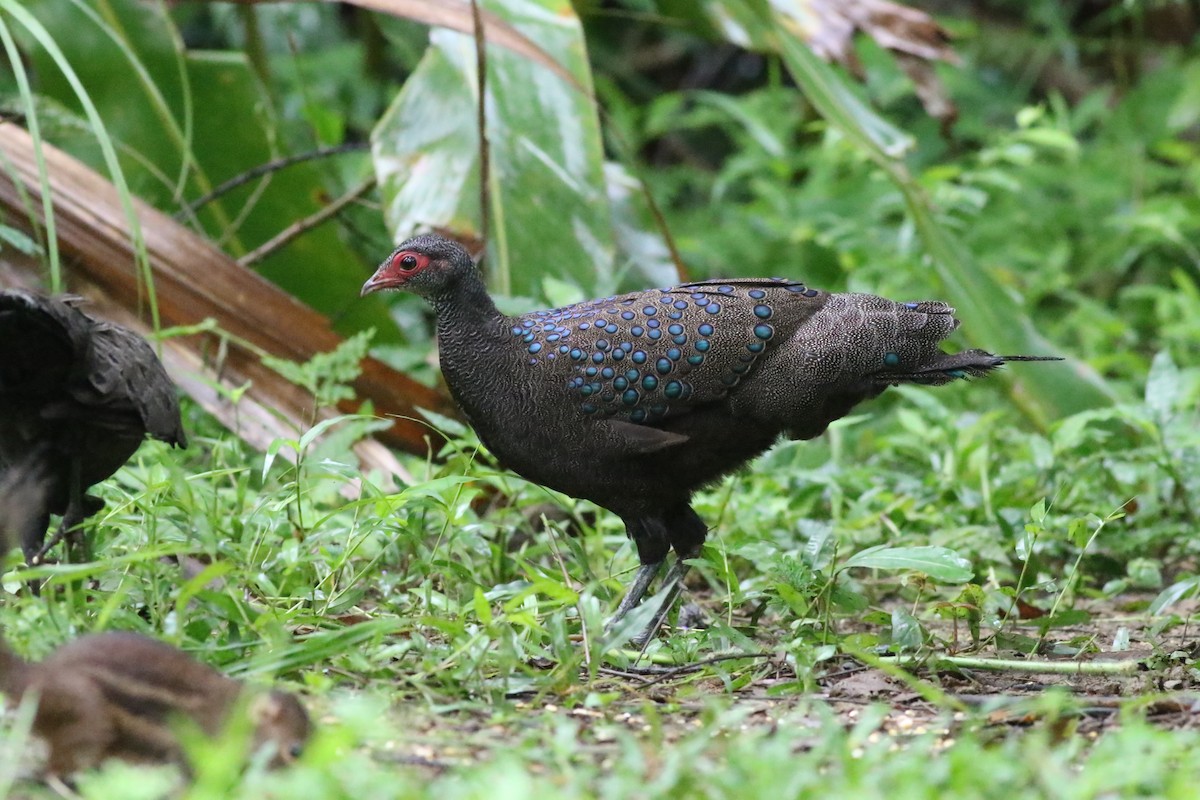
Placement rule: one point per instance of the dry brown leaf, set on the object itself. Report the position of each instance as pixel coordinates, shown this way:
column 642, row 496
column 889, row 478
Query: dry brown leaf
column 867, row 683
column 828, row 27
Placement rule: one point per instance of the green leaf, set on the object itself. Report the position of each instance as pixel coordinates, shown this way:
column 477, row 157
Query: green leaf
column 549, row 209
column 848, row 600
column 559, row 292
column 440, row 422
column 1174, row 593
column 819, row 549
column 1079, row 532
column 273, row 450
column 796, row 601
column 1164, row 386
column 483, row 609
column 941, row 563
column 906, row 630
column 18, row 240
column 1063, row 619
column 761, row 133
column 1144, row 573
column 319, row 647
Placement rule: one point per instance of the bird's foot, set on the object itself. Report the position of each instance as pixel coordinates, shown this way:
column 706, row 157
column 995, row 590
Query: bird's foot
column 40, row 554
column 77, row 511
column 672, row 583
column 641, row 582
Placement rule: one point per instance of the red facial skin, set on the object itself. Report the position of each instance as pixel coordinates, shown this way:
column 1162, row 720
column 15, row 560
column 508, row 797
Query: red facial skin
column 396, row 271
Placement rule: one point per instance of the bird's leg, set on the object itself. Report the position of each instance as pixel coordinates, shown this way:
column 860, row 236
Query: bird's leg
column 66, row 530
column 76, row 511
column 641, row 582
column 680, row 529
column 33, row 535
column 79, row 547
column 686, row 533
column 58, row 536
column 649, row 535
column 31, row 545
column 673, row 584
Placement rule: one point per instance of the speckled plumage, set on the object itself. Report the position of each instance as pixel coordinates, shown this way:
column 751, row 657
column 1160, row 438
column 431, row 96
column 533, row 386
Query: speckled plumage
column 78, row 395
column 635, row 401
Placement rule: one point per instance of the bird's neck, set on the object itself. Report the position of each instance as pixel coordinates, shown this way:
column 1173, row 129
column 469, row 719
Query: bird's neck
column 475, row 348
column 467, row 314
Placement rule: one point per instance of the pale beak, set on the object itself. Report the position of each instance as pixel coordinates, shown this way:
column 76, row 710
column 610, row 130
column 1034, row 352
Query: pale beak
column 373, row 284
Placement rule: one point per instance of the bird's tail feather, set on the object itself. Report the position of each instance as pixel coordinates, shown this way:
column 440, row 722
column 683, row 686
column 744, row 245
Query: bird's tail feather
column 946, row 367
column 1030, row 358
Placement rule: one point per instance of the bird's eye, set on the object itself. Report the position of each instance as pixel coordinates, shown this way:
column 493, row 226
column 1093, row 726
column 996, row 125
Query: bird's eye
column 296, row 750
column 406, row 263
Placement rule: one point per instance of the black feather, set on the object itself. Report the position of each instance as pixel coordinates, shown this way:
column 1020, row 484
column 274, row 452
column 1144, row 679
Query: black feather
column 77, row 397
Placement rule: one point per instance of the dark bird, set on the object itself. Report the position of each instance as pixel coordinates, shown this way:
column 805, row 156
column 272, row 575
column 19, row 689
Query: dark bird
column 635, row 401
column 81, row 395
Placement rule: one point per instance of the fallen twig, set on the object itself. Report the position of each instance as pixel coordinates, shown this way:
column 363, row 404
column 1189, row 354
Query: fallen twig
column 266, row 169
column 696, row 666
column 1123, row 667
column 301, row 226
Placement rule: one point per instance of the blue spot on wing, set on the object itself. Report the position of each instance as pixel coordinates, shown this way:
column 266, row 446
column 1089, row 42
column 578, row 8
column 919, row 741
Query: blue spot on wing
column 712, row 336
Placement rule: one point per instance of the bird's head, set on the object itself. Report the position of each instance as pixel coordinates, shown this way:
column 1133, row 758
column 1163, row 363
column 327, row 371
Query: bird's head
column 426, row 265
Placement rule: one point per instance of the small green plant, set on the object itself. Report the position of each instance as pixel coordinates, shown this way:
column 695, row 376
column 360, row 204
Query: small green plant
column 327, row 376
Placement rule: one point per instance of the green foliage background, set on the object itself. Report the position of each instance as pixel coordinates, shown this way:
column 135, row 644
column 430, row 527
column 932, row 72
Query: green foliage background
column 1060, row 215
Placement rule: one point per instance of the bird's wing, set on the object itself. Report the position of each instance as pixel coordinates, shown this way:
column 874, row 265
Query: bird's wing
column 42, row 338
column 124, row 377
column 645, row 357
